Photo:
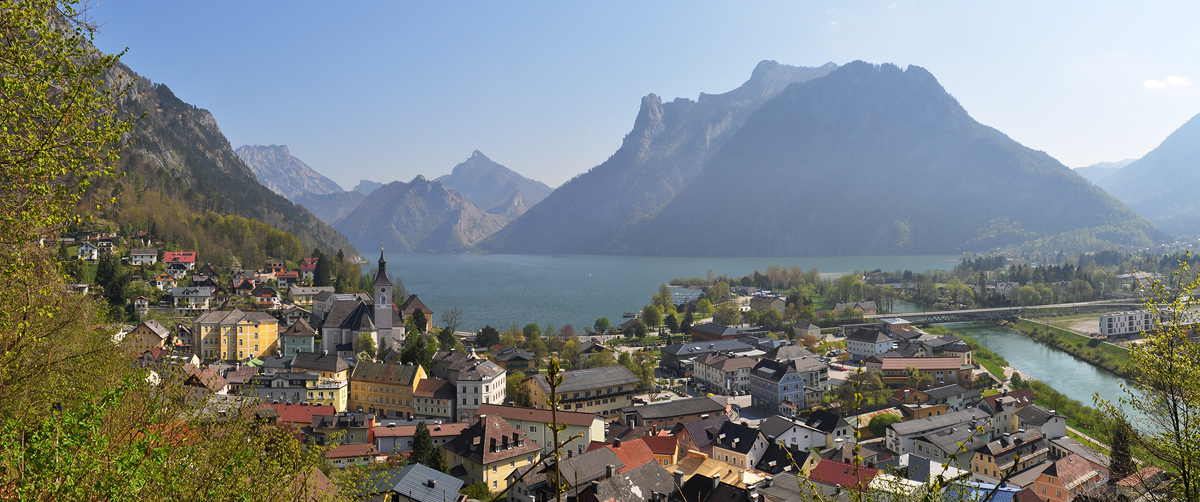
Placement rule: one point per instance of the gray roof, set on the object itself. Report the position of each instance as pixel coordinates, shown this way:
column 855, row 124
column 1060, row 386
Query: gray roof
column 868, row 335
column 1034, row 415
column 319, row 362
column 687, row 349
column 793, row 351
column 591, row 378
column 703, row 432
column 948, row 440
column 417, row 482
column 584, row 468
column 679, row 407
column 144, row 252
column 235, row 316
column 636, row 485
column 186, row 291
column 937, row 422
column 157, row 328
column 775, row 425
column 309, row 290
column 714, row 329
column 299, row 328
column 737, row 437
column 775, row 370
column 946, row 391
column 481, row 369
column 1078, row 448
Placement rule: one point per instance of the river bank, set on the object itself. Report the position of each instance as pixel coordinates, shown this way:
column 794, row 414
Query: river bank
column 1094, row 351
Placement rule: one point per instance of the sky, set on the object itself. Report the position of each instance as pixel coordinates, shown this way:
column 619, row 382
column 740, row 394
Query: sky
column 388, row 90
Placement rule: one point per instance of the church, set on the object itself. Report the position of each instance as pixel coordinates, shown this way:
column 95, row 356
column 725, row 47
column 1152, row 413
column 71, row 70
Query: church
column 342, row 317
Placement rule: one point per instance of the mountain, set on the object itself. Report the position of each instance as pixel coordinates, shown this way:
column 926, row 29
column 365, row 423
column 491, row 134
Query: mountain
column 879, row 160
column 365, row 187
column 177, row 150
column 1100, row 172
column 331, row 207
column 420, row 216
column 667, row 147
column 492, row 186
column 1160, row 185
column 276, row 168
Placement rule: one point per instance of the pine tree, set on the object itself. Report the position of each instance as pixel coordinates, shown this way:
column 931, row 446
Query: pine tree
column 1121, row 464
column 423, row 447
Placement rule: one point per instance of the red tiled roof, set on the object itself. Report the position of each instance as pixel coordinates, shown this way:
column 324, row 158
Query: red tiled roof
column 661, row 445
column 843, row 475
column 491, row 440
column 435, row 430
column 633, row 454
column 1139, row 477
column 179, row 257
column 434, row 388
column 1019, row 394
column 352, row 450
column 537, row 415
column 301, row 414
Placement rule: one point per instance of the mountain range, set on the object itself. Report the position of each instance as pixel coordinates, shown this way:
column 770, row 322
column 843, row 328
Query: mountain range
column 493, row 187
column 853, row 160
column 277, row 169
column 1160, row 185
column 1099, row 172
column 176, row 151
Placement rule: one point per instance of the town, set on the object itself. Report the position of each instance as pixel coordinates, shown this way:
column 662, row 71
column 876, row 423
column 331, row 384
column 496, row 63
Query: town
column 727, row 410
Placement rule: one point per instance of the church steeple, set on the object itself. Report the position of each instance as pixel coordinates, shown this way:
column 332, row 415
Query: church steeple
column 383, row 298
column 381, row 277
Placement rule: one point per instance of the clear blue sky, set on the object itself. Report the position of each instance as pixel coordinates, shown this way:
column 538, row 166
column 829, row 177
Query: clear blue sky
column 388, row 90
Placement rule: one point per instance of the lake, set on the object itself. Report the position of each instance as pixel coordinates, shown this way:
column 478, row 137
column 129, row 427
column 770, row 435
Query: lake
column 500, row 290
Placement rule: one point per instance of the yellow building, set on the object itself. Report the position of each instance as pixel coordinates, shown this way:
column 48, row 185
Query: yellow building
column 605, row 391
column 385, row 388
column 489, row 451
column 326, row 366
column 233, row 335
column 147, row 335
column 330, row 392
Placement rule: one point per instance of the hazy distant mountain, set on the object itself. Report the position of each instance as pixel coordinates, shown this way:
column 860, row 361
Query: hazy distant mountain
column 1100, row 172
column 878, row 160
column 277, row 169
column 491, row 186
column 331, row 207
column 669, row 144
column 1161, row 185
column 365, row 187
column 177, row 149
column 421, row 216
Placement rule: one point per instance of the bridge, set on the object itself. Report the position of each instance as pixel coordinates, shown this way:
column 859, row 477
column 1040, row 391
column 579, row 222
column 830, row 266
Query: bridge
column 1009, row 313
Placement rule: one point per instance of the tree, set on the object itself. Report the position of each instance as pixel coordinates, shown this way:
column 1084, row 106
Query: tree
column 487, row 337
column 419, row 320
column 664, row 299
column 672, row 323
column 652, row 316
column 567, row 331
column 600, row 360
column 602, row 325
column 1121, row 462
column 515, row 389
column 423, row 448
column 570, row 353
column 686, row 327
column 704, row 306
column 446, row 337
column 718, row 292
column 451, row 317
column 727, row 314
column 879, row 423
column 323, row 273
column 365, row 343
column 531, row 331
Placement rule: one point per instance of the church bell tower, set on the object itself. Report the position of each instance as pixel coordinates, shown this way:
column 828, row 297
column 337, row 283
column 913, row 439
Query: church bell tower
column 382, row 292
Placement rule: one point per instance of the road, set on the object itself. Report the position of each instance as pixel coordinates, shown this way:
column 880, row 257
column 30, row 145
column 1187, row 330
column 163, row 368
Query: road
column 1112, row 303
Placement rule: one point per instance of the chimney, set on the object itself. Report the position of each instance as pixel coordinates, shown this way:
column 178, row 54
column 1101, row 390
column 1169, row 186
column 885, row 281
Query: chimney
column 678, row 475
column 716, row 480
column 608, row 471
column 431, row 483
column 617, row 443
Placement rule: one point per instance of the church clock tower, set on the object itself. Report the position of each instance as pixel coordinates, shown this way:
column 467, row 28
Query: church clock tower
column 382, row 291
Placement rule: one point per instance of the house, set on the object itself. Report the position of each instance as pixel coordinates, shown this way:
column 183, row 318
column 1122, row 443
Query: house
column 843, row 475
column 413, row 305
column 299, row 337
column 145, row 336
column 163, row 282
column 412, row 483
column 322, row 364
column 604, row 391
column 866, row 308
column 206, row 378
column 476, row 382
column 144, row 256
column 535, row 423
column 805, row 328
column 297, row 415
column 831, row 426
column 779, row 459
column 669, row 413
column 1011, row 453
column 764, row 303
column 489, row 451
column 649, row 482
column 185, row 258
column 725, row 373
column 712, row 331
column 308, row 267
column 867, row 341
column 88, row 251
column 591, row 348
column 265, row 297
column 385, row 389
column 349, row 427
column 287, row 278
column 291, row 313
column 797, row 381
column 632, row 454
column 954, row 396
column 699, row 435
column 940, row 370
column 354, row 454
column 678, row 358
column 285, row 387
column 141, row 305
column 705, row 488
column 1048, row 422
column 191, row 300
column 665, row 447
column 243, row 286
column 434, row 398
column 303, row 295
column 1068, row 478
column 514, row 358
column 394, row 438
column 696, row 464
column 739, row 445
column 233, row 335
column 900, row 435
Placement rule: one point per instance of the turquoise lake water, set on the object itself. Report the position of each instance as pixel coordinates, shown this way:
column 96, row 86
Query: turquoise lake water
column 502, row 289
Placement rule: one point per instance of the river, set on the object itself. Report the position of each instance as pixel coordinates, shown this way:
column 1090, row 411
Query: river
column 504, row 289
column 1072, row 377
